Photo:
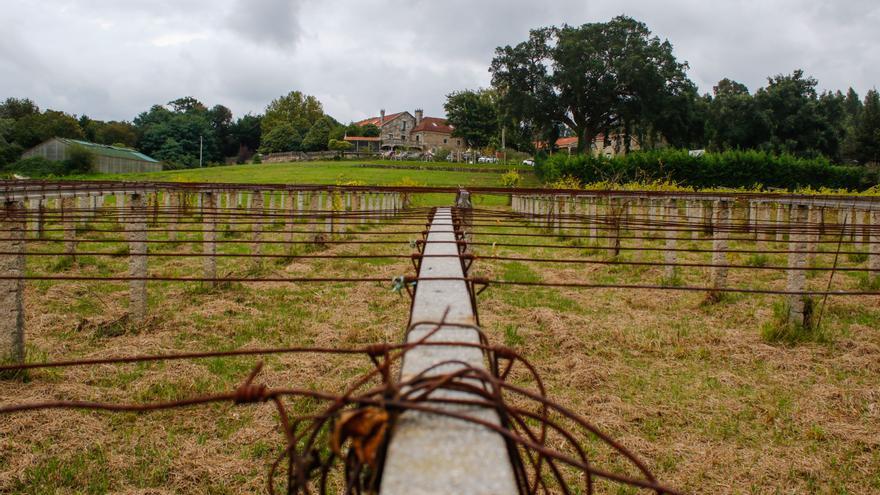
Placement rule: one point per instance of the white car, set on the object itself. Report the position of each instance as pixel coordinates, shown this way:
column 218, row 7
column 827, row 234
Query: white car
column 487, row 159
column 530, row 163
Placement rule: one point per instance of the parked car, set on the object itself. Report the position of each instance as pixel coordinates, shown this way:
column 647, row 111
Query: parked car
column 487, row 159
column 530, row 163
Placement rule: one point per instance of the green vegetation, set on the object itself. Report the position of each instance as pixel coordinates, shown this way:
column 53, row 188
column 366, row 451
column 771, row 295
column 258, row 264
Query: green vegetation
column 335, row 172
column 730, row 169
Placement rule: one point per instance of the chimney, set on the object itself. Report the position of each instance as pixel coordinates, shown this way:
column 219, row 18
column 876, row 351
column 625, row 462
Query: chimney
column 381, row 117
column 419, row 115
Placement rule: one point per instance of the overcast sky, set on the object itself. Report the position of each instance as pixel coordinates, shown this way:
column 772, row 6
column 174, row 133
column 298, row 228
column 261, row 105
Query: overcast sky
column 111, row 59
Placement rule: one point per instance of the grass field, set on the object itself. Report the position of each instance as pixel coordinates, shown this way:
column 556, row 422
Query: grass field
column 341, row 172
column 692, row 387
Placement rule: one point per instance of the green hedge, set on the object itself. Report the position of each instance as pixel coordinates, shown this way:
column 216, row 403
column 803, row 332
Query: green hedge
column 733, row 169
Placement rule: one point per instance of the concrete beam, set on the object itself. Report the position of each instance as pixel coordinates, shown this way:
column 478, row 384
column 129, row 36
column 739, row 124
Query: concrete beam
column 429, row 453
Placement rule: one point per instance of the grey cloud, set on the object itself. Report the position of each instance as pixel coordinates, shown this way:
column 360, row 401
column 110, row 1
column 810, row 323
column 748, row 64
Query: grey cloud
column 113, row 59
column 267, row 21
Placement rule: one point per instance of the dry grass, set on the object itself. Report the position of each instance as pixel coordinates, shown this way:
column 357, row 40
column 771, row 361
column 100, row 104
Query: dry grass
column 692, row 387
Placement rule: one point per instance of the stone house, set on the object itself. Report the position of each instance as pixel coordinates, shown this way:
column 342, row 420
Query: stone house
column 432, row 133
column 613, row 147
column 404, row 130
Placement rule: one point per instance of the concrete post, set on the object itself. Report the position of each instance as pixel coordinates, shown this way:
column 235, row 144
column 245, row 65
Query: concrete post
column 874, row 250
column 671, row 234
column 719, row 244
column 257, row 227
column 41, row 218
column 137, row 236
column 813, row 222
column 780, row 222
column 209, row 239
column 797, row 261
column 765, row 226
column 13, row 224
column 594, row 221
column 330, row 216
column 69, row 222
column 172, row 201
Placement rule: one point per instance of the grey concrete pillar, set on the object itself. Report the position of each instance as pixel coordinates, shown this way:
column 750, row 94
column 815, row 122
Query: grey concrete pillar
column 874, row 250
column 670, row 253
column 812, row 227
column 780, row 222
column 69, row 223
column 137, row 236
column 721, row 212
column 209, row 239
column 13, row 224
column 765, row 226
column 797, row 262
column 172, row 201
column 257, row 227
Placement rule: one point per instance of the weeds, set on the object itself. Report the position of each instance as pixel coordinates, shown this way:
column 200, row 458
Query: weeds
column 782, row 330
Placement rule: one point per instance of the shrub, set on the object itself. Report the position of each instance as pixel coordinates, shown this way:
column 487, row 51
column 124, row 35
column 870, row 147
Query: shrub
column 730, row 169
column 511, row 179
column 35, row 167
column 258, row 159
column 79, row 160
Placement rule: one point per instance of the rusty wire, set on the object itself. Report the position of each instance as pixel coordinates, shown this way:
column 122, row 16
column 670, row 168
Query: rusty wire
column 544, row 438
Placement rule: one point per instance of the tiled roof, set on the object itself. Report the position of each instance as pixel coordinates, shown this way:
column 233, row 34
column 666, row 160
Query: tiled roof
column 434, row 124
column 376, row 121
column 111, row 151
column 362, row 138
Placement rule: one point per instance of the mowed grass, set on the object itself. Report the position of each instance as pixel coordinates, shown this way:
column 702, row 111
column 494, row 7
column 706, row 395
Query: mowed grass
column 692, row 387
column 339, row 172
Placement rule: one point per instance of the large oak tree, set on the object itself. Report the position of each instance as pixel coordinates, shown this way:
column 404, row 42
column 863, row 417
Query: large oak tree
column 596, row 78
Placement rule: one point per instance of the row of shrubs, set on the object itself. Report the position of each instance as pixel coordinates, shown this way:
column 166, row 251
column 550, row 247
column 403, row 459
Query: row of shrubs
column 79, row 161
column 729, row 169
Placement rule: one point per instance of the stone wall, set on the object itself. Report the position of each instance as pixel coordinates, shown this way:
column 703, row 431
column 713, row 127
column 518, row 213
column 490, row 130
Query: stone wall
column 432, row 141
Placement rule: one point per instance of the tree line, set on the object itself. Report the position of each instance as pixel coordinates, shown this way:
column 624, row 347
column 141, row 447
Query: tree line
column 177, row 132
column 617, row 78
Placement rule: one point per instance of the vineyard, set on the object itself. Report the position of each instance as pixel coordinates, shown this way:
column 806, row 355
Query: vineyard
column 196, row 336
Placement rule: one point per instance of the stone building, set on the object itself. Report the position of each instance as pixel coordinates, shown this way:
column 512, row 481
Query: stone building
column 432, row 133
column 404, row 130
column 613, row 146
column 108, row 159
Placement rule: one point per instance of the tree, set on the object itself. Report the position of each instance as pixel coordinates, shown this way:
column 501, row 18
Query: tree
column 33, row 129
column 299, row 110
column 283, row 138
column 370, row 130
column 220, row 118
column 113, row 133
column 866, row 134
column 176, row 135
column 79, row 160
column 734, row 120
column 246, row 132
column 17, row 108
column 340, row 146
column 473, row 116
column 10, row 152
column 317, row 137
column 596, row 78
column 796, row 125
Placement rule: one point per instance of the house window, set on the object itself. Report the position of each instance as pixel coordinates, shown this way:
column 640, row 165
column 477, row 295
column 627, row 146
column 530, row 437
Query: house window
column 418, row 138
column 458, row 142
column 404, row 127
column 445, row 140
column 391, row 136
